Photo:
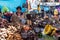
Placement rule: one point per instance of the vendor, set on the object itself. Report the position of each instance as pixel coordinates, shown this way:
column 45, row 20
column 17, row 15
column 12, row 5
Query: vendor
column 20, row 15
column 18, row 11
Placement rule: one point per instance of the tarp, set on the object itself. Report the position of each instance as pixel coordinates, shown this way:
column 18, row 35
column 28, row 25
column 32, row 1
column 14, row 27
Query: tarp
column 11, row 4
column 46, row 8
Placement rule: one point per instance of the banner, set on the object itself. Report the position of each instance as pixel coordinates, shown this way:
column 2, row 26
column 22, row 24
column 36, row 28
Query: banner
column 34, row 3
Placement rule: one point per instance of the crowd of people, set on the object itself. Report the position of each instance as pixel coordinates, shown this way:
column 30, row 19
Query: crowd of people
column 18, row 26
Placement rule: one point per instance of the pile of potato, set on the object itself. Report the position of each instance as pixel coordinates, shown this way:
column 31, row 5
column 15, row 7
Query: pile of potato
column 9, row 34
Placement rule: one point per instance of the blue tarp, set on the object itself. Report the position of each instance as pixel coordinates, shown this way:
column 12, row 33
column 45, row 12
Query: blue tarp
column 46, row 8
column 11, row 4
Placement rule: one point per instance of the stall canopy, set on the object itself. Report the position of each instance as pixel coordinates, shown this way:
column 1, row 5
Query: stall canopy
column 11, row 4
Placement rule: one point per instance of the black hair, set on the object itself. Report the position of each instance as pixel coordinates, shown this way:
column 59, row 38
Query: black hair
column 38, row 5
column 18, row 8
